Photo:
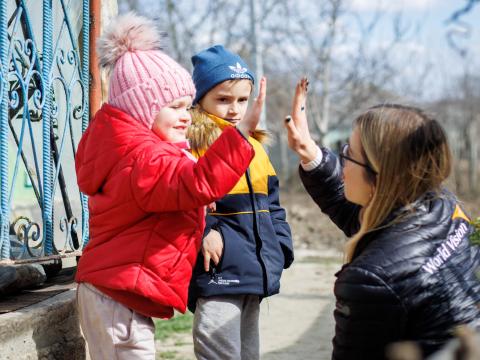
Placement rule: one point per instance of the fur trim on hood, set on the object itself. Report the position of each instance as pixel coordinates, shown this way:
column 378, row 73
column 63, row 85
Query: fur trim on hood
column 206, row 128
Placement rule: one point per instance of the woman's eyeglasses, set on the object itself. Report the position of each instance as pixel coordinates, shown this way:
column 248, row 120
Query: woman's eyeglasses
column 344, row 156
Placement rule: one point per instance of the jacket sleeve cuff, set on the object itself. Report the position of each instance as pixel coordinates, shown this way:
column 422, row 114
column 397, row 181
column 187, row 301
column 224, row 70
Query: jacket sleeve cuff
column 309, row 166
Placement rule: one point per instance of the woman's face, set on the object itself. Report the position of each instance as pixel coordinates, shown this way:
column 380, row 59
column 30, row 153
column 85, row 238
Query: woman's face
column 359, row 187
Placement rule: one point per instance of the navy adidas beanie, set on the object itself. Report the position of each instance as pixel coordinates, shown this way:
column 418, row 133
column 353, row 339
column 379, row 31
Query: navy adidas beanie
column 215, row 65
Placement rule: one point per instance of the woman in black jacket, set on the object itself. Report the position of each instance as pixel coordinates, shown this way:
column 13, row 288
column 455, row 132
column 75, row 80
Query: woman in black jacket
column 410, row 270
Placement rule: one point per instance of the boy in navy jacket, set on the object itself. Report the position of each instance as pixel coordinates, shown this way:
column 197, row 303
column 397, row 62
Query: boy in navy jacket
column 247, row 242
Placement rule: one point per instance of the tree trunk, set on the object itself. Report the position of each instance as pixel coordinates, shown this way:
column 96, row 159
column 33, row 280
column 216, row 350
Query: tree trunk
column 456, row 168
column 473, row 155
column 285, row 170
column 109, row 9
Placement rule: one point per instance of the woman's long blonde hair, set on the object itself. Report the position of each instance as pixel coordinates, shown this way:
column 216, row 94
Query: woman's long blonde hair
column 409, row 151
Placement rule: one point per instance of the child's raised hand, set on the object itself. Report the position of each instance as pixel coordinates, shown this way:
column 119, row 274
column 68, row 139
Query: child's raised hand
column 248, row 125
column 299, row 139
column 212, row 248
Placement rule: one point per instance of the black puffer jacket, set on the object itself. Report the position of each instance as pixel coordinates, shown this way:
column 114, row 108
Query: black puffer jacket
column 411, row 281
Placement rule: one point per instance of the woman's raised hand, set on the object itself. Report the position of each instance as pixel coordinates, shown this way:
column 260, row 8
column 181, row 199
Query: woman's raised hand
column 299, row 139
column 248, row 125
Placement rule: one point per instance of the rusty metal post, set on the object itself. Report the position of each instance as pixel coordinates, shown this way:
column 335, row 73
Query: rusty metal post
column 95, row 80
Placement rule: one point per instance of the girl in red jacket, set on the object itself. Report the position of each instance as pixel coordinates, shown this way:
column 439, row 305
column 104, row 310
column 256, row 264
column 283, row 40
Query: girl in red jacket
column 147, row 197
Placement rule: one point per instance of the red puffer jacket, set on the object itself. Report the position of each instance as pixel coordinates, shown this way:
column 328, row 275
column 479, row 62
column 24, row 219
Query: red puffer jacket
column 146, row 203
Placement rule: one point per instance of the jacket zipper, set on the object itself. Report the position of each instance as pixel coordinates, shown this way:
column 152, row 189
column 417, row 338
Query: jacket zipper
column 258, row 240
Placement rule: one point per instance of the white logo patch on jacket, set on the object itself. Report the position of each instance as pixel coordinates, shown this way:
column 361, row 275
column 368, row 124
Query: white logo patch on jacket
column 445, row 251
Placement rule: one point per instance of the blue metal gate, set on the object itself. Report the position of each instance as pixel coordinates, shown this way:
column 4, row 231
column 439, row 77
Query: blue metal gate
column 44, row 78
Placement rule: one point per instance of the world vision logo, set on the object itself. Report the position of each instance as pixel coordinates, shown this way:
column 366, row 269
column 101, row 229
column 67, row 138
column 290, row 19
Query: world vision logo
column 458, row 213
column 446, row 250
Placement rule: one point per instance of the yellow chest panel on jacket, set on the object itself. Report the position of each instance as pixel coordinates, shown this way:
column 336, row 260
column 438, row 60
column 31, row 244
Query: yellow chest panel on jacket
column 260, row 170
column 260, row 167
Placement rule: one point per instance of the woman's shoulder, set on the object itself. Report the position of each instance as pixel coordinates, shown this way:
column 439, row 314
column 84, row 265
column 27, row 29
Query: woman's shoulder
column 406, row 246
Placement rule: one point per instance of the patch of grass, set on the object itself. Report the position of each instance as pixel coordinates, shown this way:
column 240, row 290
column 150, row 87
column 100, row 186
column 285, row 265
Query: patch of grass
column 475, row 237
column 180, row 343
column 164, row 355
column 180, row 323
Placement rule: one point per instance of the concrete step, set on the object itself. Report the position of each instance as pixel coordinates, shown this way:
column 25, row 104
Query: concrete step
column 46, row 330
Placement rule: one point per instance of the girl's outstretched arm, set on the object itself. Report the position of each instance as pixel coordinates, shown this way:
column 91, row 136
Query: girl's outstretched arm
column 163, row 181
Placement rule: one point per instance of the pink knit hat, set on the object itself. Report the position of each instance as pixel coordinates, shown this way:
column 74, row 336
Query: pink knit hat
column 143, row 79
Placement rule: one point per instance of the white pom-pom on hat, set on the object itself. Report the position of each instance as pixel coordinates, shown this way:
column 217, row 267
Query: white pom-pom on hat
column 129, row 32
column 142, row 78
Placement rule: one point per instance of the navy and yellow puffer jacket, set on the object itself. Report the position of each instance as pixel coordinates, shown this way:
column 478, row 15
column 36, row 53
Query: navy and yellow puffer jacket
column 257, row 238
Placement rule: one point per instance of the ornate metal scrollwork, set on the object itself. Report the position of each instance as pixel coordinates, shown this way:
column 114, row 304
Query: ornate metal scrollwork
column 28, row 243
column 44, row 83
column 68, row 226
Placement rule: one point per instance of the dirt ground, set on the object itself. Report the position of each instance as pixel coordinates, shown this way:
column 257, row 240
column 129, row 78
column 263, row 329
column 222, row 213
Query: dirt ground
column 311, row 229
column 295, row 324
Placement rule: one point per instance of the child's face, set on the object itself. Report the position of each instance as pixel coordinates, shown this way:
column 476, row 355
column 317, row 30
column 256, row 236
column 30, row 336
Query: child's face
column 172, row 121
column 228, row 100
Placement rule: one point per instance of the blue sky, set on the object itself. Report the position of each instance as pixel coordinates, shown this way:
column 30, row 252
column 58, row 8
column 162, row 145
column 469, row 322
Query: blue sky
column 431, row 43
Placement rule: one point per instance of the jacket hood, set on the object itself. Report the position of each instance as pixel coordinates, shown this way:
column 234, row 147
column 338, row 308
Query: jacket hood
column 206, row 128
column 111, row 136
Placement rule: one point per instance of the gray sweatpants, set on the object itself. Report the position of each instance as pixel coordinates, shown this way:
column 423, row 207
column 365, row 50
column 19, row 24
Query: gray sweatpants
column 226, row 328
column 112, row 330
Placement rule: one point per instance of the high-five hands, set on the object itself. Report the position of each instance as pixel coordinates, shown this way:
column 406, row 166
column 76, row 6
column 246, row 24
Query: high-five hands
column 299, row 139
column 248, row 125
